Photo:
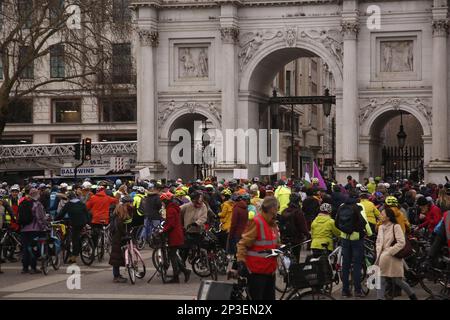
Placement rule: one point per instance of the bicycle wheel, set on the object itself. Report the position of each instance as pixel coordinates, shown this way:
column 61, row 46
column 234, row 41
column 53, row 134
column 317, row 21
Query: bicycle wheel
column 101, row 247
column 157, row 258
column 56, row 260
column 200, row 264
column 313, row 295
column 165, row 265
column 281, row 276
column 130, row 268
column 87, row 251
column 212, row 265
column 45, row 260
column 139, row 265
column 140, row 240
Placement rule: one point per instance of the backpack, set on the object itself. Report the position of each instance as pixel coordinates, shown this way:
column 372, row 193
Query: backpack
column 54, row 201
column 346, row 219
column 25, row 213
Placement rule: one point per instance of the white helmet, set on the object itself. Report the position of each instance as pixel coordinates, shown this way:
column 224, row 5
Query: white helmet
column 140, row 190
column 63, row 185
column 15, row 188
column 86, row 185
column 358, row 186
column 387, row 185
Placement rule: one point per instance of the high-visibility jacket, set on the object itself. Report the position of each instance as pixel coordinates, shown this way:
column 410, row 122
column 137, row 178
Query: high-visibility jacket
column 266, row 239
column 137, row 204
column 251, row 211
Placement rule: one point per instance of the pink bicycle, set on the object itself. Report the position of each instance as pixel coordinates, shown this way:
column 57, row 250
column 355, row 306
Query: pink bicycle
column 133, row 260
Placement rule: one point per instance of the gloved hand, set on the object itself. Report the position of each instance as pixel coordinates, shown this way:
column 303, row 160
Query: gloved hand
column 242, row 269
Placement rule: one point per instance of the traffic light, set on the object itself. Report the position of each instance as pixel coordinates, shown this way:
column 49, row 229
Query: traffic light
column 87, row 148
column 77, row 148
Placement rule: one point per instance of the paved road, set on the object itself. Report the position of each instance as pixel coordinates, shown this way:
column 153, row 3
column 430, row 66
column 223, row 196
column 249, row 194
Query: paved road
column 96, row 283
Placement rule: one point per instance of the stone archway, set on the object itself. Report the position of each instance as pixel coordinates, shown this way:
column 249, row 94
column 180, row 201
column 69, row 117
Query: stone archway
column 375, row 116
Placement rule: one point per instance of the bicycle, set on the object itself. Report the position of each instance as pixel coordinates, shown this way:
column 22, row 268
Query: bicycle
column 87, row 248
column 10, row 242
column 133, row 260
column 46, row 249
column 103, row 244
column 160, row 256
column 443, row 278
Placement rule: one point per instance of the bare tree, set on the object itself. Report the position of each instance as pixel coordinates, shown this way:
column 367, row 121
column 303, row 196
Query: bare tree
column 80, row 32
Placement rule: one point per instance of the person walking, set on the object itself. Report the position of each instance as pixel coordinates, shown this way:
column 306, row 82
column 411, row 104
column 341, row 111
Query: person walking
column 260, row 234
column 390, row 240
column 174, row 231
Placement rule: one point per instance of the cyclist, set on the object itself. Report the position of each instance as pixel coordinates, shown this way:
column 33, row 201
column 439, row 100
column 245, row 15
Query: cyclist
column 152, row 208
column 372, row 213
column 99, row 205
column 260, row 234
column 430, row 214
column 78, row 217
column 121, row 217
column 282, row 194
column 86, row 193
column 174, row 229
column 33, row 223
column 322, row 231
column 239, row 221
column 138, row 205
column 392, row 203
column 194, row 216
column 180, row 196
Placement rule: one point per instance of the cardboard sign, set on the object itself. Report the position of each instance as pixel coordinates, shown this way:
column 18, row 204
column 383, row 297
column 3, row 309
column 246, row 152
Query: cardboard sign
column 144, row 173
column 240, row 174
column 279, row 167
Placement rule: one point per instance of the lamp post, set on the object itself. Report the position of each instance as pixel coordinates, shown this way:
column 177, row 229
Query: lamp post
column 401, row 138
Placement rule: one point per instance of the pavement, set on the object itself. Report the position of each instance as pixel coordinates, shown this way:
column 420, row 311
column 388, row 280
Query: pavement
column 96, row 283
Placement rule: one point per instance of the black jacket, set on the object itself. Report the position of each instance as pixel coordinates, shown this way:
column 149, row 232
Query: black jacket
column 152, row 205
column 77, row 211
column 311, row 208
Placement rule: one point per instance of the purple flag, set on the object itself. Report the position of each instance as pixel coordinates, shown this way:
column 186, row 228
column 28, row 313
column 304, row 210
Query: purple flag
column 317, row 175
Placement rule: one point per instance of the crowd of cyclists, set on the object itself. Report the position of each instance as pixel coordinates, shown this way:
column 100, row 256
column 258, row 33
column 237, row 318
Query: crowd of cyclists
column 246, row 217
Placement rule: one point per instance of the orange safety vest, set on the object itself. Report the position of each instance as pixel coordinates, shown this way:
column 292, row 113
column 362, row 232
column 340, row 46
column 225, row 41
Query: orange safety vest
column 266, row 239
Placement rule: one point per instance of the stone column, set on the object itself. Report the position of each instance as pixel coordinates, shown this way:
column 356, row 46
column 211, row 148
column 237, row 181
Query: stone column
column 229, row 32
column 440, row 102
column 350, row 93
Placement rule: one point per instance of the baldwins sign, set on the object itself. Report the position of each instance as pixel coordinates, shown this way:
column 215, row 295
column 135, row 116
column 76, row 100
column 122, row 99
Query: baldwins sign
column 88, row 171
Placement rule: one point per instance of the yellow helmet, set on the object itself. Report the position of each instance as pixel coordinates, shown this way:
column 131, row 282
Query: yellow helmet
column 180, row 193
column 226, row 192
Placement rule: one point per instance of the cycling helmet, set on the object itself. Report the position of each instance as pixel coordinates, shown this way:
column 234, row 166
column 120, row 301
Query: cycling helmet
column 180, row 193
column 254, row 187
column 86, row 185
column 15, row 187
column 269, row 188
column 387, row 185
column 226, row 192
column 326, row 207
column 140, row 190
column 126, row 199
column 166, row 196
column 63, row 185
column 363, row 189
column 391, row 201
column 209, row 186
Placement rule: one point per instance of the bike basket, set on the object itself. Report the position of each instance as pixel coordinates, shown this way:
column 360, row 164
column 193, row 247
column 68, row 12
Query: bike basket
column 315, row 273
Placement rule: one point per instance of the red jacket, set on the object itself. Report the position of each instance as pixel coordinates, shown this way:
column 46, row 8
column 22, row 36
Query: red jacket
column 173, row 225
column 239, row 219
column 99, row 205
column 432, row 218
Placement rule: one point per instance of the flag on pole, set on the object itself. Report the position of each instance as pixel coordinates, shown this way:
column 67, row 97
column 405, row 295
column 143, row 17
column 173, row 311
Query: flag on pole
column 316, row 174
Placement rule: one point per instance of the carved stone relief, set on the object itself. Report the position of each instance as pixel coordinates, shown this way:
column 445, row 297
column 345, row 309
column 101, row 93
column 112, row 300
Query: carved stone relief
column 397, row 56
column 193, row 62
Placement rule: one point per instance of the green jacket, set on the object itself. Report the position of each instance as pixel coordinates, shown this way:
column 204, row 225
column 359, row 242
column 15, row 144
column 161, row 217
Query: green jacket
column 282, row 194
column 355, row 235
column 322, row 231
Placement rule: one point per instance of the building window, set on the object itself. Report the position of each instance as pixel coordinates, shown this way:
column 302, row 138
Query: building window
column 20, row 111
column 67, row 111
column 68, row 138
column 121, row 63
column 25, row 11
column 28, row 71
column 117, row 137
column 13, row 140
column 288, row 83
column 118, row 110
column 121, row 11
column 57, row 67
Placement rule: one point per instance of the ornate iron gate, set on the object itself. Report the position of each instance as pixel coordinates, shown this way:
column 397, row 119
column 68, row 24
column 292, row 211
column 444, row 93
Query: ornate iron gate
column 406, row 163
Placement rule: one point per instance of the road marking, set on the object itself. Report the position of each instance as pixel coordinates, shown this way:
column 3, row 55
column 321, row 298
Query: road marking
column 86, row 296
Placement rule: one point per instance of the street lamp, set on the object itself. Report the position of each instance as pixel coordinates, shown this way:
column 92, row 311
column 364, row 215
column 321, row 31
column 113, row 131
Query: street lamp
column 327, row 104
column 401, row 135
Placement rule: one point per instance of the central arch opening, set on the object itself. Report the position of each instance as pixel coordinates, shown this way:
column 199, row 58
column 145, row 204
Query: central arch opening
column 294, row 71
